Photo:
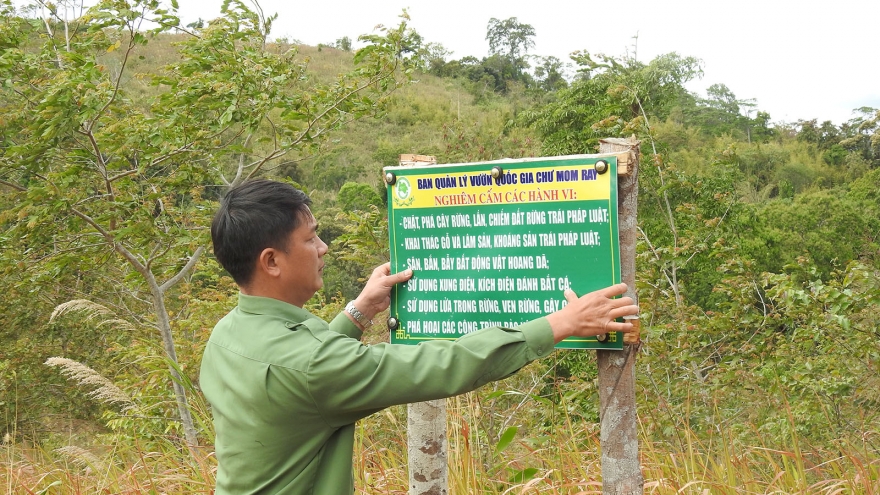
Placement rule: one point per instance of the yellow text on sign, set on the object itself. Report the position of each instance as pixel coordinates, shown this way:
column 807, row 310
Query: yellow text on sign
column 569, row 183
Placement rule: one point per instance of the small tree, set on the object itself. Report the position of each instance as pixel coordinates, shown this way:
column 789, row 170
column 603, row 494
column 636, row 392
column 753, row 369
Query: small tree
column 354, row 196
column 549, row 73
column 509, row 42
column 92, row 173
column 344, row 43
column 510, row 38
column 863, row 135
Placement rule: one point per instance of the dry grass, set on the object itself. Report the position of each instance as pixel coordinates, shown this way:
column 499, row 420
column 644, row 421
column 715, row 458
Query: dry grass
column 567, row 461
column 71, row 470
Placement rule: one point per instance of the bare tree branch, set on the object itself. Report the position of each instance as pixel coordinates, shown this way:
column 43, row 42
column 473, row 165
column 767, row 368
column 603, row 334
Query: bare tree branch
column 117, row 82
column 13, row 185
column 102, row 165
column 122, row 174
column 241, row 166
column 119, row 248
column 183, row 271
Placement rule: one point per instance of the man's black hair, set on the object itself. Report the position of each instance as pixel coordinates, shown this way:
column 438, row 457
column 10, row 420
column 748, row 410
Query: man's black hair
column 253, row 216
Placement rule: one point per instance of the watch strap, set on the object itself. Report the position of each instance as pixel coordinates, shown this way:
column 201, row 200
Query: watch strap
column 357, row 315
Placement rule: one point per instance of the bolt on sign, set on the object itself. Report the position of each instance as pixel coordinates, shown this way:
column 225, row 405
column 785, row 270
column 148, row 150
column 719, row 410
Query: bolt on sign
column 497, row 243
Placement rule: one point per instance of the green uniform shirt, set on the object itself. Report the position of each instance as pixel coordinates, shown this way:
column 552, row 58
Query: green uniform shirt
column 286, row 389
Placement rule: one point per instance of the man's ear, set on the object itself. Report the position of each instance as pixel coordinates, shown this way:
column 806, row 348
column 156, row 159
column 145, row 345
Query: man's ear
column 267, row 263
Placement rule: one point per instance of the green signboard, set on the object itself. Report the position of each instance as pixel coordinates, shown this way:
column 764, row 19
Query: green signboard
column 499, row 247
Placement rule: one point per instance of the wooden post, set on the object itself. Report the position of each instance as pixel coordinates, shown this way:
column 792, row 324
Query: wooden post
column 426, row 448
column 426, row 423
column 621, row 472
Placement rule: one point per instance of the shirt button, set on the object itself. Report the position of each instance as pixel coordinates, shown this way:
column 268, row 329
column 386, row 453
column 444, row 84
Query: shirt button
column 289, row 324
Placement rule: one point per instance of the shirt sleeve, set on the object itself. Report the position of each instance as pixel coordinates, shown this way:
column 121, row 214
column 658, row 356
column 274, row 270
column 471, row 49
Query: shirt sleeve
column 348, row 380
column 342, row 324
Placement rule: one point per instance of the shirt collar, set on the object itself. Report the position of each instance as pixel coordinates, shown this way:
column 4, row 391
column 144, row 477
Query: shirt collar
column 268, row 306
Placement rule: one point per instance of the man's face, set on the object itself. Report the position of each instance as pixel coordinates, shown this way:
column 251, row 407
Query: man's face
column 303, row 264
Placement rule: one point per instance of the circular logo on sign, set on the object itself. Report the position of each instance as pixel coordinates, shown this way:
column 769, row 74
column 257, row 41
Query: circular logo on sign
column 403, row 188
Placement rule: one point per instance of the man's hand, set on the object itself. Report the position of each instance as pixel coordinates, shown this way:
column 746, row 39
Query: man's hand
column 592, row 314
column 376, row 296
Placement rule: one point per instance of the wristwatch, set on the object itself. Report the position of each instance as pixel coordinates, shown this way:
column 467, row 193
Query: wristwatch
column 357, row 315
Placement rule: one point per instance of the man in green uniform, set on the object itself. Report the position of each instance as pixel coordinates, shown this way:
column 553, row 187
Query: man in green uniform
column 286, row 387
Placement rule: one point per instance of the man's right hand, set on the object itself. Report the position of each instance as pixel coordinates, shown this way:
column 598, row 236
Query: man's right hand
column 593, row 314
column 376, row 296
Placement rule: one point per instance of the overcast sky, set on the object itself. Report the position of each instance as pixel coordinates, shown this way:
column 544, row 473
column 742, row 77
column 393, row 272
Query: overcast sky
column 801, row 59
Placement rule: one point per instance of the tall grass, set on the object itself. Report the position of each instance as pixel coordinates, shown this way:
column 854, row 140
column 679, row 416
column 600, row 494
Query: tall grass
column 726, row 468
column 120, row 468
column 563, row 458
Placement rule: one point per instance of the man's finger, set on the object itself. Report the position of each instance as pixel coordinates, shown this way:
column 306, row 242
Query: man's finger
column 630, row 310
column 570, row 296
column 400, row 277
column 384, row 269
column 614, row 290
column 622, row 301
column 614, row 326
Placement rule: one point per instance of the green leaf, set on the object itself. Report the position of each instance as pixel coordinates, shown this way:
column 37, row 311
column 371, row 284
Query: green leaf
column 523, row 475
column 507, row 437
column 496, row 394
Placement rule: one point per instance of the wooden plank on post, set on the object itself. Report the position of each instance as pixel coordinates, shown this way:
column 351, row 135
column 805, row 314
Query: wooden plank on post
column 426, row 422
column 621, row 471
